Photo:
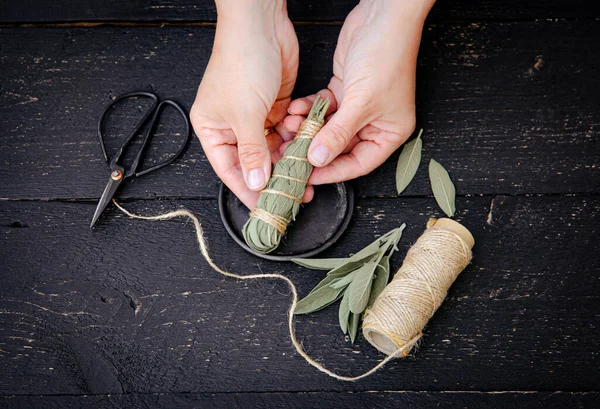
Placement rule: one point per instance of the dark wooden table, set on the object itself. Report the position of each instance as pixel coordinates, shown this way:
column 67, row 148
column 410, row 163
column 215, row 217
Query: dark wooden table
column 130, row 315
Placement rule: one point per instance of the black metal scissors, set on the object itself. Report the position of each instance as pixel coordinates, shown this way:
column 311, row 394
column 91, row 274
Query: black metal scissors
column 117, row 172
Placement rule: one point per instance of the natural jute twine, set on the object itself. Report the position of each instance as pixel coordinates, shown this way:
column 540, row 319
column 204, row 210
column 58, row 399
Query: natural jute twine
column 399, row 314
column 400, row 351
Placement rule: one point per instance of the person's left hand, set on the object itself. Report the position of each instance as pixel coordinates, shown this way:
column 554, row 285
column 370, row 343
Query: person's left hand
column 372, row 91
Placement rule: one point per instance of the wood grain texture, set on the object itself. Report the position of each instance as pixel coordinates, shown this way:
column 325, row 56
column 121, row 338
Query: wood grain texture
column 508, row 108
column 372, row 399
column 133, row 308
column 34, row 11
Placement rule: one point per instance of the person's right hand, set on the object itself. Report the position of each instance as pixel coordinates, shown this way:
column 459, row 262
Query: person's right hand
column 246, row 89
column 372, row 90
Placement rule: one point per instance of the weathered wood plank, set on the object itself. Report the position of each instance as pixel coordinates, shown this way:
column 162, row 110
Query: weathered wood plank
column 507, row 108
column 132, row 307
column 300, row 10
column 324, row 400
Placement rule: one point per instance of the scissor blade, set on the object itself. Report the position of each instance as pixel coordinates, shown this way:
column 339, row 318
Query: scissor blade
column 107, row 195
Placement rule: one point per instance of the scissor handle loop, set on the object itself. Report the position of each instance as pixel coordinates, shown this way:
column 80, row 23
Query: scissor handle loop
column 150, row 132
column 154, row 111
column 117, row 157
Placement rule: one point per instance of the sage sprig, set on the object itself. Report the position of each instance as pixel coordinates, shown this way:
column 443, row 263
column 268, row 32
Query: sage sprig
column 357, row 280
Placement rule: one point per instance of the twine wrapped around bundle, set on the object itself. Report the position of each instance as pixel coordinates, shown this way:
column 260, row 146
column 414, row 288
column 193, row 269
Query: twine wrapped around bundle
column 395, row 322
column 279, row 202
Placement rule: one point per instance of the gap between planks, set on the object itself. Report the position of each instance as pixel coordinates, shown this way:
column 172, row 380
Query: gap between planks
column 213, row 23
column 308, row 392
column 200, row 198
column 109, row 23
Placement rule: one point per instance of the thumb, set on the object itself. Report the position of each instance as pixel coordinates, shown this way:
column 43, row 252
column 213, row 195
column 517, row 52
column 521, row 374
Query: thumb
column 336, row 134
column 253, row 152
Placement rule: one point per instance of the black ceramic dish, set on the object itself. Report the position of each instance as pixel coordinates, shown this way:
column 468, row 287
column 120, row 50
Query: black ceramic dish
column 319, row 224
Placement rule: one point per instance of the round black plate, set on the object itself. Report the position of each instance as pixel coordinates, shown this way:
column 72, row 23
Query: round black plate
column 319, row 224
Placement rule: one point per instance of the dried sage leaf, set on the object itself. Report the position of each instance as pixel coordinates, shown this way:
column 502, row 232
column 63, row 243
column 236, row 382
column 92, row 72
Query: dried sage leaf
column 320, row 263
column 442, row 188
column 408, row 163
column 382, row 276
column 353, row 326
column 317, row 300
column 360, row 288
column 344, row 313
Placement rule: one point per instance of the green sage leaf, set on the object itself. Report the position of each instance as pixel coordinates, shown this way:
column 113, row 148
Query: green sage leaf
column 339, row 272
column 442, row 188
column 382, row 276
column 360, row 288
column 392, row 240
column 353, row 326
column 324, row 282
column 343, row 281
column 372, row 248
column 350, row 266
column 333, row 283
column 317, row 300
column 408, row 163
column 320, row 263
column 344, row 313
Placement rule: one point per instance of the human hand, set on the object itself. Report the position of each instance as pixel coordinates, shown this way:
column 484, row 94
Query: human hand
column 247, row 88
column 372, row 90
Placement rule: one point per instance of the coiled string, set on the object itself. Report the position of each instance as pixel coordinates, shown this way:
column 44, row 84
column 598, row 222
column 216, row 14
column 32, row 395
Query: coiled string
column 417, row 290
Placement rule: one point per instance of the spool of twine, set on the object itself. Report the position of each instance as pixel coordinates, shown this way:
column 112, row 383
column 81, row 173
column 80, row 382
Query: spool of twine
column 395, row 322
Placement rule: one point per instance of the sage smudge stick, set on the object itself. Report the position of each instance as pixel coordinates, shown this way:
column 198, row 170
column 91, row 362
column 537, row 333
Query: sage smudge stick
column 279, row 202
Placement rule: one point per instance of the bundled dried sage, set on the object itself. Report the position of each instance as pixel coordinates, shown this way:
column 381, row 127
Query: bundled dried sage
column 279, row 202
column 357, row 280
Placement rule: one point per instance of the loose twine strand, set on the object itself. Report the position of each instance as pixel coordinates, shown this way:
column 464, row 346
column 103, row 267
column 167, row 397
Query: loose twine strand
column 204, row 250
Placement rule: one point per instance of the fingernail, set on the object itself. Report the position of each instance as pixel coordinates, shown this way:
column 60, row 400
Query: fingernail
column 288, row 111
column 256, row 178
column 319, row 155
